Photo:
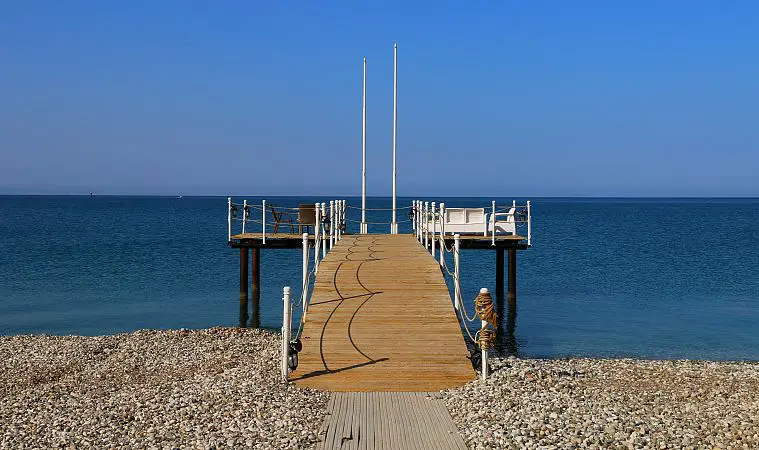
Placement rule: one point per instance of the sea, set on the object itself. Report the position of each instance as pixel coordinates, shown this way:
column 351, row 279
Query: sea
column 663, row 278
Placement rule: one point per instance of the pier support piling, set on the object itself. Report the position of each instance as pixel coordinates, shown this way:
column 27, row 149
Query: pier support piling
column 512, row 295
column 243, row 273
column 499, row 273
column 255, row 271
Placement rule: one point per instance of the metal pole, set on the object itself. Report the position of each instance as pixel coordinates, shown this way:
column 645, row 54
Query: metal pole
column 434, row 230
column 442, row 234
column 324, row 234
column 529, row 225
column 363, row 162
column 285, row 331
column 456, row 271
column 331, row 223
column 413, row 217
column 394, row 225
column 244, row 272
column 492, row 225
column 304, row 284
column 229, row 219
column 426, row 225
column 263, row 221
column 317, row 242
column 484, row 350
column 244, row 209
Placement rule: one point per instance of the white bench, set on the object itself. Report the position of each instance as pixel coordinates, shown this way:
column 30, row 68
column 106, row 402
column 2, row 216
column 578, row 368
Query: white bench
column 476, row 221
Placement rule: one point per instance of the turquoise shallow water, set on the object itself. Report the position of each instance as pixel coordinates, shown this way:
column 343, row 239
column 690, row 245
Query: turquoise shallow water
column 651, row 278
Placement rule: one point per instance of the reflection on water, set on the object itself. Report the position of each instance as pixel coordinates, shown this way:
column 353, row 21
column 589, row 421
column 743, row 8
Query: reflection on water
column 505, row 337
column 255, row 317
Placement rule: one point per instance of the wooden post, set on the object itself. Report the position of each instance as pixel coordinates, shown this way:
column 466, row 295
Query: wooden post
column 499, row 273
column 512, row 295
column 255, row 271
column 244, row 273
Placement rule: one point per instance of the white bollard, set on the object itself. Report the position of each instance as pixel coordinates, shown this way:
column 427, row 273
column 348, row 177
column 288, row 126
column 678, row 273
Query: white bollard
column 419, row 221
column 229, row 219
column 529, row 225
column 434, row 230
column 492, row 225
column 413, row 217
column 304, row 284
column 456, row 272
column 317, row 241
column 263, row 221
column 285, row 331
column 442, row 234
column 484, row 355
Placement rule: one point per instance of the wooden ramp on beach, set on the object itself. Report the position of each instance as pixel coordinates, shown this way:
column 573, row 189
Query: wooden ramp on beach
column 381, row 319
column 388, row 420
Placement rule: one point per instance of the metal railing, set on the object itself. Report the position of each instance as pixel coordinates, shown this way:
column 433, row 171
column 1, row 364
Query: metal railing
column 430, row 220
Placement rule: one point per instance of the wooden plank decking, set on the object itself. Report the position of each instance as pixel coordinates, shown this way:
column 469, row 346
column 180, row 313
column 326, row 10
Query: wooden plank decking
column 388, row 420
column 381, row 319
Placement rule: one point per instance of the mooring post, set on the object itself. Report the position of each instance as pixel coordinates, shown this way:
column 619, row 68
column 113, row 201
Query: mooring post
column 244, row 273
column 483, row 325
column 456, row 272
column 285, row 331
column 512, row 295
column 442, row 234
column 244, row 211
column 434, row 230
column 317, row 241
column 499, row 273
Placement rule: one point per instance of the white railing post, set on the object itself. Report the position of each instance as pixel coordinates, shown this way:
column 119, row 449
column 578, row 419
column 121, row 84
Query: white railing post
column 229, row 219
column 426, row 224
column 434, row 230
column 324, row 234
column 317, row 240
column 456, row 272
column 492, row 225
column 442, row 234
column 331, row 223
column 529, row 225
column 304, row 285
column 285, row 331
column 413, row 217
column 244, row 209
column 263, row 221
column 419, row 225
column 484, row 350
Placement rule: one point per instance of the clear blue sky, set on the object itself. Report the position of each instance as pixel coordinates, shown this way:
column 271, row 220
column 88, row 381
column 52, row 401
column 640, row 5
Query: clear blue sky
column 498, row 98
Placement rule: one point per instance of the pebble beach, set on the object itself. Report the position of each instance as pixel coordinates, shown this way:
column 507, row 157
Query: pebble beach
column 220, row 388
column 215, row 388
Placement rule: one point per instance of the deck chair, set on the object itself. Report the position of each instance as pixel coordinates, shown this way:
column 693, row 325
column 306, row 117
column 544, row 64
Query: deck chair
column 306, row 217
column 281, row 217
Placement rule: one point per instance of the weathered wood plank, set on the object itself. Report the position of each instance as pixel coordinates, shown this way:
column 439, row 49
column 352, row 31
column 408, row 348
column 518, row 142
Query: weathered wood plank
column 381, row 319
column 389, row 420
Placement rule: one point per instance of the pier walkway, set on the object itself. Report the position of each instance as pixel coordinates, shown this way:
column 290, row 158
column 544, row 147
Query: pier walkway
column 381, row 319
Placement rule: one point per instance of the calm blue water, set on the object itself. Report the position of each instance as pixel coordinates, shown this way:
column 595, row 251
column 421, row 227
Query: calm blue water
column 652, row 278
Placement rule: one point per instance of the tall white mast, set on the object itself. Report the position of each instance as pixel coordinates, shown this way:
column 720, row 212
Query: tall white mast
column 394, row 224
column 363, row 162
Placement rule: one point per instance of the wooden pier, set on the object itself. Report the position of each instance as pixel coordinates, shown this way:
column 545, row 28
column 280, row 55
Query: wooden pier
column 381, row 319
